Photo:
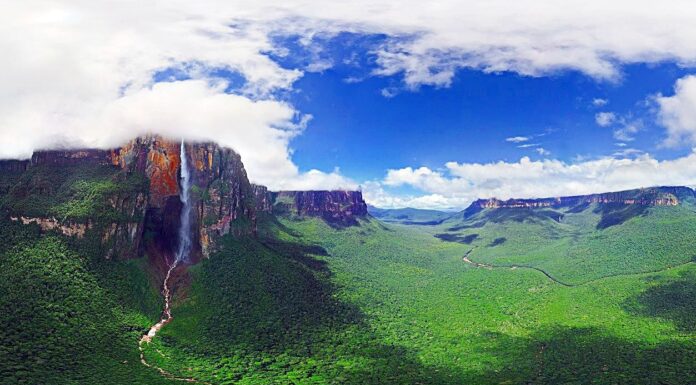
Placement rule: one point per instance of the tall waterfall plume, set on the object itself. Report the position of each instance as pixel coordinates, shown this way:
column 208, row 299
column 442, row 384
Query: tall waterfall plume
column 181, row 256
column 185, row 227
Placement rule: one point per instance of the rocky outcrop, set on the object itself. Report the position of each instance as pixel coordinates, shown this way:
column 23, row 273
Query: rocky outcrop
column 13, row 166
column 263, row 199
column 123, row 238
column 336, row 207
column 70, row 157
column 223, row 197
column 46, row 224
column 653, row 196
column 157, row 159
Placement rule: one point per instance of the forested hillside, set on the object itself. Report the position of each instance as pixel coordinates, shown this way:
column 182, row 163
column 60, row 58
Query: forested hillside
column 307, row 288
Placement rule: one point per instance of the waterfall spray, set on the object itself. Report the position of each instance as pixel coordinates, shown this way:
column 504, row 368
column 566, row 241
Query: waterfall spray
column 185, row 226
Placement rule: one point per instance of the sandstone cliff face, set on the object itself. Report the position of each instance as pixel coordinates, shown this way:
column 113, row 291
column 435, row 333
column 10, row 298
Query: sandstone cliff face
column 263, row 199
column 123, row 238
column 70, row 157
column 145, row 216
column 654, row 196
column 158, row 161
column 223, row 197
column 13, row 166
column 336, row 207
column 156, row 158
column 46, row 224
column 10, row 171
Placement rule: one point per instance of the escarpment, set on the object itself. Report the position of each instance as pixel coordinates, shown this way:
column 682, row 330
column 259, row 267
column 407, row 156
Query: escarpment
column 220, row 190
column 338, row 207
column 263, row 199
column 652, row 196
column 223, row 197
column 126, row 200
column 80, row 194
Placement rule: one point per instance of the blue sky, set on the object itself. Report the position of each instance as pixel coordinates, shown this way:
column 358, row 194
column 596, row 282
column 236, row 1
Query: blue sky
column 356, row 128
column 427, row 105
column 366, row 124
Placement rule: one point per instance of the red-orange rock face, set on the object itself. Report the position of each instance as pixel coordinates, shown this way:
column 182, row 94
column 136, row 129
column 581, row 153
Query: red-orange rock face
column 158, row 158
column 162, row 169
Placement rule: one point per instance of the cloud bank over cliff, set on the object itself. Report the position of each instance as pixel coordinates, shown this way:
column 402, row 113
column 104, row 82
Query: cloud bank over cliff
column 83, row 73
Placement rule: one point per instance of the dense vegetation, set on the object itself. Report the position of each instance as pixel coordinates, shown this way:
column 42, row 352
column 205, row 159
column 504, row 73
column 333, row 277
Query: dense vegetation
column 310, row 303
column 391, row 304
column 67, row 318
column 67, row 314
column 579, row 244
column 76, row 192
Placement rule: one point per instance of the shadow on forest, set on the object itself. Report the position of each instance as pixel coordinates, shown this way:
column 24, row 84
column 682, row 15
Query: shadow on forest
column 299, row 252
column 276, row 313
column 563, row 355
column 614, row 214
column 674, row 301
column 271, row 303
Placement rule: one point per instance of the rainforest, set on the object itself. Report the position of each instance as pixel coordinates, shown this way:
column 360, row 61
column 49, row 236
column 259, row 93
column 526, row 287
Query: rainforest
column 159, row 262
column 362, row 192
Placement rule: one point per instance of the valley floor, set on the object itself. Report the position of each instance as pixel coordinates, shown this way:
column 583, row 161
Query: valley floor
column 307, row 303
column 379, row 304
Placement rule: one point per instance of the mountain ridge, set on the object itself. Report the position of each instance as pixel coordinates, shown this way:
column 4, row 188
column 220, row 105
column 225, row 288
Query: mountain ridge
column 656, row 195
column 224, row 199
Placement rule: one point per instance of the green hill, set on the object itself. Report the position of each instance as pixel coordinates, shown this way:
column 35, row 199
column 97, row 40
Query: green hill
column 409, row 216
column 70, row 318
column 578, row 290
column 386, row 304
column 580, row 243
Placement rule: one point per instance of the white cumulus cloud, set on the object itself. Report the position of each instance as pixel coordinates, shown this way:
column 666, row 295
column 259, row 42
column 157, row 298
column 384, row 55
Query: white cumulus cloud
column 599, row 102
column 76, row 72
column 605, row 119
column 461, row 183
column 678, row 112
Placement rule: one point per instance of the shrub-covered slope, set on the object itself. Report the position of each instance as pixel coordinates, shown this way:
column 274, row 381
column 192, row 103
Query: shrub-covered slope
column 67, row 318
column 385, row 304
column 577, row 244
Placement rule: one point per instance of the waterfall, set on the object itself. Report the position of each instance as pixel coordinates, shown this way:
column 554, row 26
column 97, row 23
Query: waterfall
column 181, row 256
column 185, row 226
